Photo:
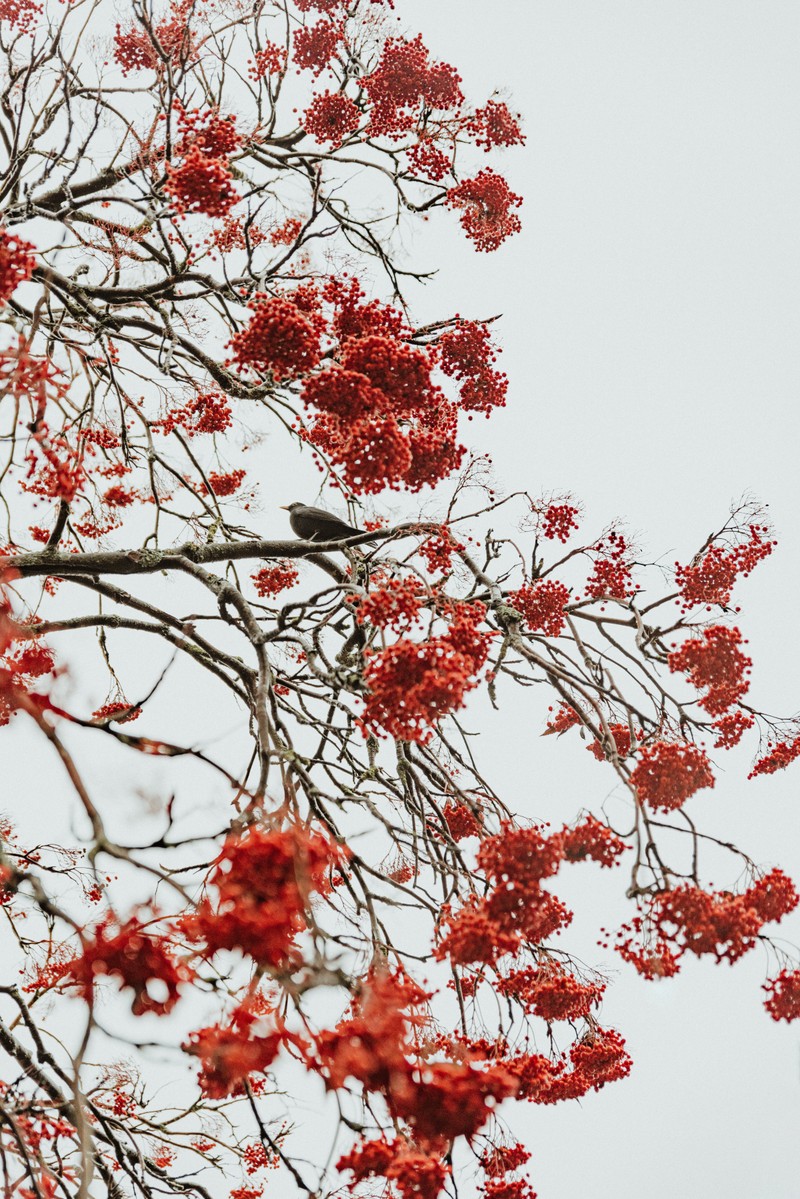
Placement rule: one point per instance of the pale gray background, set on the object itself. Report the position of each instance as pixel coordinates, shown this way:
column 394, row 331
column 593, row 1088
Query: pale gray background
column 650, row 330
column 651, row 310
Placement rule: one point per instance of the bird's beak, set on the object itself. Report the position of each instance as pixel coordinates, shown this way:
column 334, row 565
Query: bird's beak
column 284, row 507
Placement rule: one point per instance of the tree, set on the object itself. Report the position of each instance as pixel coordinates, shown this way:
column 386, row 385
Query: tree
column 201, row 248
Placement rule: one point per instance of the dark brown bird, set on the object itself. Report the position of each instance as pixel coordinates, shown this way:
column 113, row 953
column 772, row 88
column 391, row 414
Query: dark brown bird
column 315, row 524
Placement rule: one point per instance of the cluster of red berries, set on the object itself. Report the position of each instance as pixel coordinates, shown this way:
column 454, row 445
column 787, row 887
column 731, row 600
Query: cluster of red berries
column 279, row 339
column 598, row 1058
column 516, row 908
column 271, row 60
column 16, row 263
column 778, row 758
column 287, row 233
column 264, row 880
column 20, row 14
column 558, row 520
column 714, row 661
column 214, row 135
column 379, row 413
column 118, row 710
column 61, row 475
column 201, row 183
column 137, row 49
column 119, row 497
column 731, row 727
column 689, row 919
column 404, row 84
column 565, row 718
column 611, row 573
column 495, row 125
column 222, row 484
column 416, row 1175
column 550, row 992
column 135, row 955
column 393, row 605
column 783, row 991
column 486, row 203
column 231, row 1054
column 466, row 354
column 542, row 605
column 331, row 116
column 621, row 736
column 233, row 235
column 412, row 685
column 209, row 412
column 461, row 821
column 438, row 549
column 669, row 772
column 271, row 580
column 428, row 160
column 315, row 45
column 710, row 581
column 590, row 840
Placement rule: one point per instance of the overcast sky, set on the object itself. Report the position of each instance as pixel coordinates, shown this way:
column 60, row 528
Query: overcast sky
column 651, row 311
column 650, row 307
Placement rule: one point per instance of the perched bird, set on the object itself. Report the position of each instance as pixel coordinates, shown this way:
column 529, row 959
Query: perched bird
column 315, row 524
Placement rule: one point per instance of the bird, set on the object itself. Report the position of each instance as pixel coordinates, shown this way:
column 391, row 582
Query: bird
column 315, row 524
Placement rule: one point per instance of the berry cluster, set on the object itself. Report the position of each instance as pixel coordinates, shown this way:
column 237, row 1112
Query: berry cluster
column 714, row 661
column 209, row 412
column 16, row 263
column 466, row 354
column 393, row 605
column 516, row 907
column 61, row 475
column 315, row 45
column 778, row 758
column 413, row 686
column 486, row 204
column 669, row 772
column 565, row 718
column 20, row 14
column 279, row 339
column 404, row 84
column 271, row 60
column 230, row 1055
column 689, row 919
column 264, row 880
column 214, row 135
column 461, row 821
column 201, row 183
column 621, row 736
column 558, row 521
column 495, row 125
column 134, row 954
column 542, row 605
column 331, row 117
column 710, row 581
column 379, row 413
column 783, row 991
column 271, row 580
column 139, row 49
column 550, row 992
column 222, row 484
column 611, row 574
column 428, row 160
column 593, row 841
column 600, row 1057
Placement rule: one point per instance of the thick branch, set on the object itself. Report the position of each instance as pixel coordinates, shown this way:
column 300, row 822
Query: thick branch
column 148, row 561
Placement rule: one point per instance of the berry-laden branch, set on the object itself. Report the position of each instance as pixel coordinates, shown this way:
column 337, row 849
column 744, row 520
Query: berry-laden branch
column 320, row 880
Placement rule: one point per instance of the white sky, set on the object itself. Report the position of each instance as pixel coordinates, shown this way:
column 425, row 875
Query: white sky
column 650, row 310
column 650, row 327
